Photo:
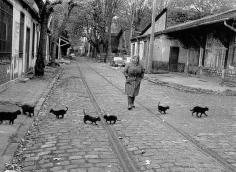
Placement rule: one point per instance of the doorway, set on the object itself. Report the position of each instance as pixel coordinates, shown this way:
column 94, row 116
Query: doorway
column 173, row 59
column 27, row 49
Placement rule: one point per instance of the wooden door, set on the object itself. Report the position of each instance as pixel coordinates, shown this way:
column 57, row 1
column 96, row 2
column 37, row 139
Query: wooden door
column 173, row 59
column 27, row 49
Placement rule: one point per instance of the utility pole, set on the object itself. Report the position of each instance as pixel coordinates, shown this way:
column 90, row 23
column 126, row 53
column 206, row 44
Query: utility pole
column 151, row 44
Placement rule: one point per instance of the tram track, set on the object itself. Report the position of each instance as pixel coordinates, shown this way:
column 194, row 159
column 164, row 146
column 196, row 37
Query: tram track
column 127, row 163
column 201, row 147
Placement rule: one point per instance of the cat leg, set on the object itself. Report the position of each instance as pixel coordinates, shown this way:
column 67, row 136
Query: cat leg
column 205, row 114
column 197, row 115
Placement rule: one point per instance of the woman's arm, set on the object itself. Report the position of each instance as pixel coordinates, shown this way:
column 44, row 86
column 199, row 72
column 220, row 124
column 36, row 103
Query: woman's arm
column 125, row 72
column 142, row 71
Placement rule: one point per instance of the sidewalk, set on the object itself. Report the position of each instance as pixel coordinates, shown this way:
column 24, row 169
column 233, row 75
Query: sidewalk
column 195, row 84
column 32, row 92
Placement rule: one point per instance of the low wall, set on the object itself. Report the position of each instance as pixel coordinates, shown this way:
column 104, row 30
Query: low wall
column 228, row 75
column 4, row 73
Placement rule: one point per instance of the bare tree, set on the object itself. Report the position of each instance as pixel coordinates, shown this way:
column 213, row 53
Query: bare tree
column 59, row 27
column 45, row 10
column 204, row 7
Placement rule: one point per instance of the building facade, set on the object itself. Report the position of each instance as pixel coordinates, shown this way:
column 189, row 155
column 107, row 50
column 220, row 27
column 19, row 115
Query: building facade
column 204, row 46
column 19, row 35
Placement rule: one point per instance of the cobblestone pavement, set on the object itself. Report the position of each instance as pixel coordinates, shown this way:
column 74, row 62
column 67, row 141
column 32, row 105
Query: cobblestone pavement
column 70, row 145
column 166, row 149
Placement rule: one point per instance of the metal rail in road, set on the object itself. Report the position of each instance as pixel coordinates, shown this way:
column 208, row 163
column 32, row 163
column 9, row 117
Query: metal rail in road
column 202, row 148
column 127, row 163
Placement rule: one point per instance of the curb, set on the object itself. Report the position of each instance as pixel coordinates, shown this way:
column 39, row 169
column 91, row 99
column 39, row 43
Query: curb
column 6, row 85
column 22, row 131
column 190, row 89
column 184, row 88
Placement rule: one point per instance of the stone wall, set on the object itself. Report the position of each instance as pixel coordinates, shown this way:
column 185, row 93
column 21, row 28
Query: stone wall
column 4, row 74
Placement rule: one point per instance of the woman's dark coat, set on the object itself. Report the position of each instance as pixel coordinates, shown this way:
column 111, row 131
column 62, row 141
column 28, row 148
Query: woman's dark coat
column 133, row 74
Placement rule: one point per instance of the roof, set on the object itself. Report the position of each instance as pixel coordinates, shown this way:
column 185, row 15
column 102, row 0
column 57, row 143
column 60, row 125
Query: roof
column 212, row 19
column 32, row 5
column 217, row 18
column 157, row 17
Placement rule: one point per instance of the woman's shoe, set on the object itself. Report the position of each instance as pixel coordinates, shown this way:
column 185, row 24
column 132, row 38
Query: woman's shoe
column 129, row 107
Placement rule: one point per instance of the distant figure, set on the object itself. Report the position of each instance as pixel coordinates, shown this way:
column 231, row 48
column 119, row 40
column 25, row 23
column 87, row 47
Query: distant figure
column 134, row 73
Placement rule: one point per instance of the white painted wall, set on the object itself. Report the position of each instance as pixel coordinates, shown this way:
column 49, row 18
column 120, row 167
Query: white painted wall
column 162, row 49
column 141, row 48
column 20, row 63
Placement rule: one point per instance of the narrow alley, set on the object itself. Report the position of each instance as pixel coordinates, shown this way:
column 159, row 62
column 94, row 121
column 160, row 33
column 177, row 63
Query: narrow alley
column 143, row 139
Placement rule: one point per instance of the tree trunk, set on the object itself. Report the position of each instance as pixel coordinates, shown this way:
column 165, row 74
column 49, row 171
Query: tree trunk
column 40, row 61
column 108, row 53
column 54, row 52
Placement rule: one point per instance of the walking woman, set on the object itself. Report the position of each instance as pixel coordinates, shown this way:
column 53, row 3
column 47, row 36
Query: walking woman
column 134, row 73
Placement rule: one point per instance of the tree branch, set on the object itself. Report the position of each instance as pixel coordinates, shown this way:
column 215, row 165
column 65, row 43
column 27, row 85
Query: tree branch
column 39, row 3
column 53, row 4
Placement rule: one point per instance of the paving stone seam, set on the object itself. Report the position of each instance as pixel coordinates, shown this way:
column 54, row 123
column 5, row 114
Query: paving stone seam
column 124, row 157
column 201, row 147
column 39, row 104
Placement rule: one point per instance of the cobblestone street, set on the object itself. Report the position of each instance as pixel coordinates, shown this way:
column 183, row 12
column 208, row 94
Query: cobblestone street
column 173, row 142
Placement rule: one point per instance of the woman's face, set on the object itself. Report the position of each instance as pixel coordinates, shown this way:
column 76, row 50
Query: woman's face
column 135, row 59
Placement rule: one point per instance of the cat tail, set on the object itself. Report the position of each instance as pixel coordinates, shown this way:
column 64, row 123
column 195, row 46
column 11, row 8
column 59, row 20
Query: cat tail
column 66, row 108
column 158, row 103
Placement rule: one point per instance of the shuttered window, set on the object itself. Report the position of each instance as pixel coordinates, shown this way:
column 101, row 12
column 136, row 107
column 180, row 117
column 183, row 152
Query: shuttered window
column 6, row 12
column 21, row 40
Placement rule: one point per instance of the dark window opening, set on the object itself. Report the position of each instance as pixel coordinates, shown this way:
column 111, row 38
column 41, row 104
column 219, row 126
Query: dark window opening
column 21, row 41
column 6, row 12
column 33, row 41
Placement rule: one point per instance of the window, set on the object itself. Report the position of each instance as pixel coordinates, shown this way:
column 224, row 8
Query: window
column 21, row 40
column 5, row 30
column 33, row 41
column 3, row 33
column 233, row 61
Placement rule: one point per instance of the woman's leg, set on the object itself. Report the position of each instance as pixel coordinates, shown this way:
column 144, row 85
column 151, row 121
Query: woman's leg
column 129, row 103
column 133, row 98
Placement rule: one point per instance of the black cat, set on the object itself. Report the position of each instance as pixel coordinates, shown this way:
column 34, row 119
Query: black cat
column 90, row 118
column 59, row 113
column 201, row 110
column 111, row 118
column 11, row 116
column 162, row 109
column 27, row 109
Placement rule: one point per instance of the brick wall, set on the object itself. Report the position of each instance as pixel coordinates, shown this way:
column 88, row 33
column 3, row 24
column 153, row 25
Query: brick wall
column 229, row 74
